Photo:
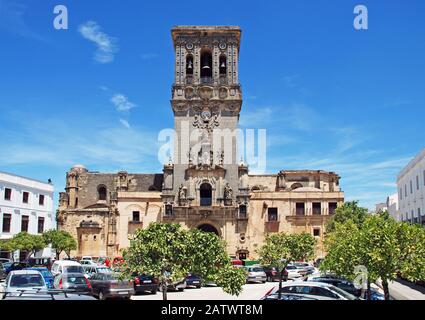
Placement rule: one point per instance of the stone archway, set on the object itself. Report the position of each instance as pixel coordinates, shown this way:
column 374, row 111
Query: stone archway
column 206, row 227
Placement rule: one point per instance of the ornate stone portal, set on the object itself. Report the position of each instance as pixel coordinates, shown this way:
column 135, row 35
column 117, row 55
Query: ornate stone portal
column 211, row 190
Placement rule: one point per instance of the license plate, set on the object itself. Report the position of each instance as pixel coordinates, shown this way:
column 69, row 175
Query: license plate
column 147, row 281
column 123, row 292
column 195, row 281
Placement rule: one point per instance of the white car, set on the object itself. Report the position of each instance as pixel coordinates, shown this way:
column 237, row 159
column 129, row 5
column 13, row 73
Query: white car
column 313, row 289
column 292, row 273
column 19, row 281
column 88, row 263
column 90, row 258
column 66, row 266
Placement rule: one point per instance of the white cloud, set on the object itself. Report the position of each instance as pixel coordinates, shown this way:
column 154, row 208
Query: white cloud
column 106, row 45
column 121, row 102
column 125, row 123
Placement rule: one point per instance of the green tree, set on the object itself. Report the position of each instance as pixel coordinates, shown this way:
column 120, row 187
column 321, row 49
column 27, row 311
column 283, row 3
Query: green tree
column 384, row 246
column 348, row 211
column 169, row 253
column 280, row 249
column 27, row 242
column 61, row 241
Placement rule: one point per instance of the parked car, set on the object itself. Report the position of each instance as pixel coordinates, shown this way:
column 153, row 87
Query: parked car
column 75, row 282
column 40, row 262
column 87, row 263
column 315, row 289
column 15, row 266
column 255, row 274
column 18, row 280
column 145, row 283
column 47, row 275
column 66, row 266
column 89, row 258
column 290, row 296
column 2, row 272
column 61, row 295
column 4, row 260
column 193, row 281
column 293, row 273
column 310, row 269
column 90, row 270
column 272, row 274
column 346, row 285
column 108, row 285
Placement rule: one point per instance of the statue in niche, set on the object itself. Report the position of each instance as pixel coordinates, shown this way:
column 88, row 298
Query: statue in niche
column 182, row 194
column 228, row 193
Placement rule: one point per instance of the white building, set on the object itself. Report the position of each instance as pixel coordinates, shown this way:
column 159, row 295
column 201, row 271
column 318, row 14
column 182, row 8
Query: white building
column 25, row 205
column 392, row 206
column 411, row 190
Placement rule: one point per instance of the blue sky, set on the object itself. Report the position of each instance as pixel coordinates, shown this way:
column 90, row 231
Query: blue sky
column 331, row 97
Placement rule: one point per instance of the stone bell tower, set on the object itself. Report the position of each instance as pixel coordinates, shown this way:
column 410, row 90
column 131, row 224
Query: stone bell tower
column 204, row 175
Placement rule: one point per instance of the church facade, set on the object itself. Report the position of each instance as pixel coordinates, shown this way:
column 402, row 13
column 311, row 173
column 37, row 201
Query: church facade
column 204, row 185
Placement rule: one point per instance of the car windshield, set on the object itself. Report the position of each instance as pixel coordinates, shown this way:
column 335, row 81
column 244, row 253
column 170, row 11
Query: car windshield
column 291, row 267
column 26, row 280
column 73, row 269
column 76, row 280
column 256, row 269
column 343, row 293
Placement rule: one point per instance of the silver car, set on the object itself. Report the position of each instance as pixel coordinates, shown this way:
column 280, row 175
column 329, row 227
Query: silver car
column 24, row 280
column 255, row 274
column 312, row 289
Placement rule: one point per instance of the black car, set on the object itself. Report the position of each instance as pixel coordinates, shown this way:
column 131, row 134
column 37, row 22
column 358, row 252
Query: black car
column 272, row 274
column 75, row 282
column 109, row 285
column 193, row 281
column 144, row 283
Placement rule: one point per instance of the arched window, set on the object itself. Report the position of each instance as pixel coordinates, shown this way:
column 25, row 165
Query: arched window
column 223, row 65
column 189, row 64
column 296, row 186
column 206, row 66
column 101, row 193
column 205, row 192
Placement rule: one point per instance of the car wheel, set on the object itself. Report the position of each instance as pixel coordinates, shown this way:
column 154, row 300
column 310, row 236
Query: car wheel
column 180, row 289
column 154, row 291
column 101, row 296
column 199, row 287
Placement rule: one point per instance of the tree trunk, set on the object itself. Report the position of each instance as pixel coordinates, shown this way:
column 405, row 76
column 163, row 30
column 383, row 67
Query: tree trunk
column 279, row 295
column 164, row 290
column 368, row 290
column 386, row 289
